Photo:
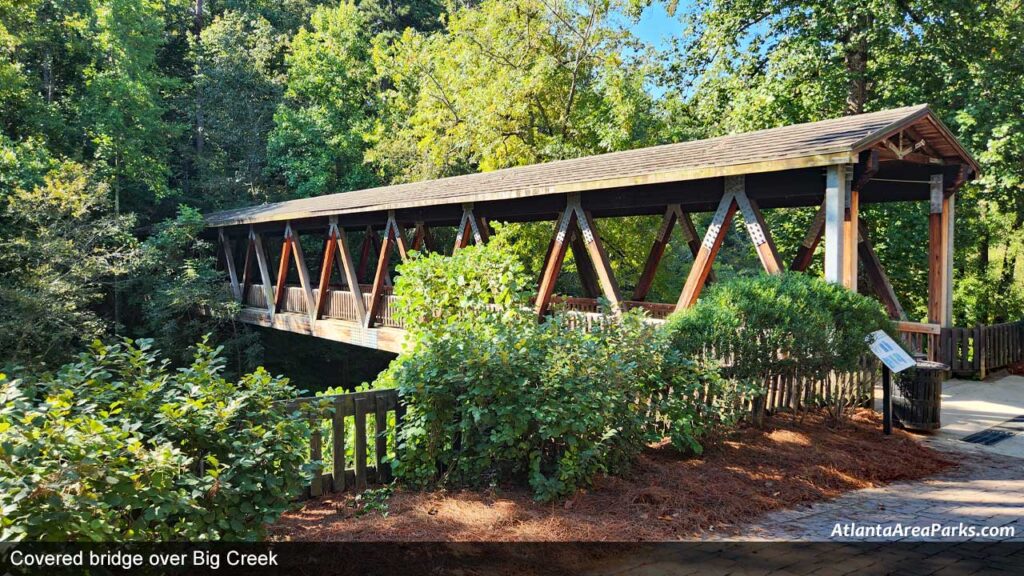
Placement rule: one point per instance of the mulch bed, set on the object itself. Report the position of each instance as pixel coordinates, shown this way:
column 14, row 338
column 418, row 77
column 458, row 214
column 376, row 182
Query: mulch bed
column 791, row 461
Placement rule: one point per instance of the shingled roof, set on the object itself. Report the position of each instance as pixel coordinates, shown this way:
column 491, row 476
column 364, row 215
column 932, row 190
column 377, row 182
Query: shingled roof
column 797, row 146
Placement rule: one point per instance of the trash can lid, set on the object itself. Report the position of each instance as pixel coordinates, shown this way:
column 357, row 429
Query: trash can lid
column 928, row 365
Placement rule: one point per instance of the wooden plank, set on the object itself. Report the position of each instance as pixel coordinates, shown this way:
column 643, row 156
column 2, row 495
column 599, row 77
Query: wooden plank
column 805, row 252
column 229, row 260
column 835, row 208
column 756, row 227
column 338, row 443
column 554, row 262
column 935, row 252
column 261, row 261
column 304, row 278
column 708, row 251
column 361, row 405
column 919, row 327
column 323, row 288
column 316, row 486
column 380, row 420
column 879, row 279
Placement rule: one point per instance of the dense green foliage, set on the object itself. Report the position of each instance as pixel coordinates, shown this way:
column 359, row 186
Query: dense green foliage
column 767, row 324
column 117, row 446
column 495, row 396
column 115, row 112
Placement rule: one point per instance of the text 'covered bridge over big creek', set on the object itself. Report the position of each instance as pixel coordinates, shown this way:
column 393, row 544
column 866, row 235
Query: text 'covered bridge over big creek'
column 904, row 154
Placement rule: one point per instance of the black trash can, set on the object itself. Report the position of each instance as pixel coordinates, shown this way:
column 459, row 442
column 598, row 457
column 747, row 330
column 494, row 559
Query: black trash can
column 918, row 401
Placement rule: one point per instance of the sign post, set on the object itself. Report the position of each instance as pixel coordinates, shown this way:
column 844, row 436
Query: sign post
column 894, row 359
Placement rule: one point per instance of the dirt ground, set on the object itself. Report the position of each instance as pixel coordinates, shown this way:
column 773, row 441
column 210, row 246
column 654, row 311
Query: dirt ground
column 665, row 497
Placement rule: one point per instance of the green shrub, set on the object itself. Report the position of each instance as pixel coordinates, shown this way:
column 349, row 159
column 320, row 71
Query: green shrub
column 494, row 395
column 117, row 447
column 763, row 326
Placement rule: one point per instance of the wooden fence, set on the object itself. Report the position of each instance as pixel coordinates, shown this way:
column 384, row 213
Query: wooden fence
column 969, row 352
column 343, row 418
column 977, row 351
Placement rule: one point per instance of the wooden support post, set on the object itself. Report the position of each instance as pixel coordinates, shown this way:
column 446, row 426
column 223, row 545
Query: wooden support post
column 282, row 273
column 392, row 229
column 305, row 281
column 229, row 259
column 323, row 288
column 756, row 226
column 470, row 226
column 691, row 238
column 879, row 279
column 553, row 265
column 936, row 254
column 643, row 285
column 422, row 240
column 261, row 261
column 369, row 242
column 805, row 252
column 383, row 261
column 835, row 213
column 585, row 269
column 673, row 214
column 948, row 217
column 708, row 250
column 602, row 267
column 851, row 232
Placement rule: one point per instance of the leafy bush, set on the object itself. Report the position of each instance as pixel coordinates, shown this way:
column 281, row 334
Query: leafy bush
column 118, row 447
column 765, row 325
column 494, row 395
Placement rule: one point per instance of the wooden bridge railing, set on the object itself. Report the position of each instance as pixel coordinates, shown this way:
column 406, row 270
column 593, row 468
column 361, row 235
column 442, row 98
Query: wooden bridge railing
column 970, row 352
column 354, row 439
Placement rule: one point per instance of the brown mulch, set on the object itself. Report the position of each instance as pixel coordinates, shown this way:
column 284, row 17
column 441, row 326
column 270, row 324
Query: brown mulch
column 791, row 461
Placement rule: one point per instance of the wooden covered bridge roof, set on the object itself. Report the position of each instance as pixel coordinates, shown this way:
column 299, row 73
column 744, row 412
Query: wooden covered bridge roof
column 799, row 146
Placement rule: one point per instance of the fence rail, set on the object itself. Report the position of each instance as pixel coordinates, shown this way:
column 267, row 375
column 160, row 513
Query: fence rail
column 349, row 456
column 969, row 352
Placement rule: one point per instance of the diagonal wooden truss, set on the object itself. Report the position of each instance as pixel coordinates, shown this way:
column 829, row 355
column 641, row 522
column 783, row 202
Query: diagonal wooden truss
column 470, row 226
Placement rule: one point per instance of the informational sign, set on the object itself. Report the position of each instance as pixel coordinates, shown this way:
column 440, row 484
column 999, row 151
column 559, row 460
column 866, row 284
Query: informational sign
column 889, row 352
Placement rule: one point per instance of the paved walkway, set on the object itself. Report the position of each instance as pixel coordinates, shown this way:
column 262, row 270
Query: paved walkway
column 985, row 490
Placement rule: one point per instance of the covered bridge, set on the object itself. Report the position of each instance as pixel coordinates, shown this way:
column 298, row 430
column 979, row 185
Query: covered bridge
column 904, row 154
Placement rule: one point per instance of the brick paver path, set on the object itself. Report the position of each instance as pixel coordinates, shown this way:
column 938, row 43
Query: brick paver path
column 985, row 489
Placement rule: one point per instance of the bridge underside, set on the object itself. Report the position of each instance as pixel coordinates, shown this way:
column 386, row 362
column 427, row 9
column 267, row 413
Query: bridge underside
column 346, row 295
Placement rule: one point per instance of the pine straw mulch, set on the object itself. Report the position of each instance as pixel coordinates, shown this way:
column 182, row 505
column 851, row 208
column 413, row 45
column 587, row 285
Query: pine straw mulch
column 789, row 462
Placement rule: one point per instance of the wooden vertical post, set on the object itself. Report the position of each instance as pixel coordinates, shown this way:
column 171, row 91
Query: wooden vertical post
column 835, row 209
column 708, row 250
column 936, row 259
column 851, row 232
column 948, row 217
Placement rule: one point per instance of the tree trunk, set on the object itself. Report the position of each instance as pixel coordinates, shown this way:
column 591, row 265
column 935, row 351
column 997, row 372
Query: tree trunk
column 857, row 67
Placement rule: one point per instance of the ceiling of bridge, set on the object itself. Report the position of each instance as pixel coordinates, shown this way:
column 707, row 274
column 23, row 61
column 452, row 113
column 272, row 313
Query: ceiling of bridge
column 904, row 132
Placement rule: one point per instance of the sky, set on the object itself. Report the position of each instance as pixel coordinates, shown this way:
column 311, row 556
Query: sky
column 655, row 26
